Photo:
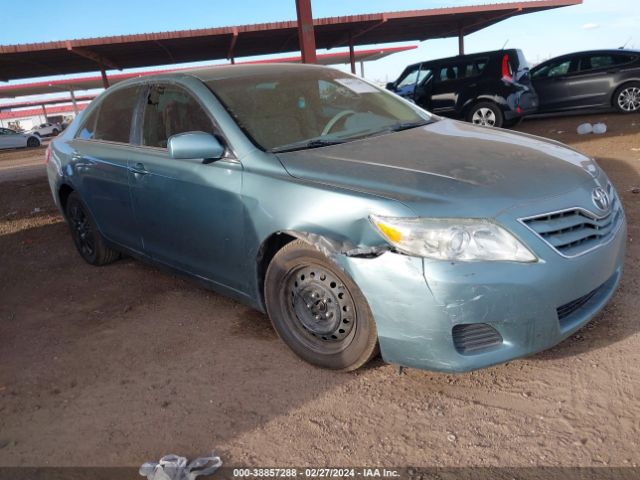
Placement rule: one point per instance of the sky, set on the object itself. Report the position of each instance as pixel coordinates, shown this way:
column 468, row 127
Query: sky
column 594, row 24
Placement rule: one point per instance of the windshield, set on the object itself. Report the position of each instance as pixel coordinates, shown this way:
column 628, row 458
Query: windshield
column 309, row 108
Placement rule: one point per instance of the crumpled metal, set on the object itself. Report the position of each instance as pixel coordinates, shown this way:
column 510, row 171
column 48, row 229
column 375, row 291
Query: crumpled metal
column 174, row 467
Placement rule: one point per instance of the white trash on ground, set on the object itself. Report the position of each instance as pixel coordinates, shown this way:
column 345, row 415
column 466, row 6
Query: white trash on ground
column 585, row 128
column 173, row 467
column 600, row 128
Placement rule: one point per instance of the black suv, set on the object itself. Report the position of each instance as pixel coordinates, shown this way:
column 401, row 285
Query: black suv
column 490, row 88
column 595, row 79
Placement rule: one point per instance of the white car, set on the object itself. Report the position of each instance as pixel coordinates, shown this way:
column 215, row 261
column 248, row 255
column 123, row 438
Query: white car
column 12, row 139
column 46, row 130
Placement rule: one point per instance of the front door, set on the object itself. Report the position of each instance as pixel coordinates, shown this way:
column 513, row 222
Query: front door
column 553, row 82
column 190, row 213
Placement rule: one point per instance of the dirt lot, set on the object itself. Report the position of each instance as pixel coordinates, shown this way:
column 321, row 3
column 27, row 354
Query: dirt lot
column 123, row 364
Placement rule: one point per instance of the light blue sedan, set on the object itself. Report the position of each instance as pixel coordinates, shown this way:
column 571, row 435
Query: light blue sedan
column 354, row 219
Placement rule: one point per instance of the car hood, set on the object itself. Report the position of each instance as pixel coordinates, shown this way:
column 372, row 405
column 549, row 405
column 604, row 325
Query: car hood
column 449, row 163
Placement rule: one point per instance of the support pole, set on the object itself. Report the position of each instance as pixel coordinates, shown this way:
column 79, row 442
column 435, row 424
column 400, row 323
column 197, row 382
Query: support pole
column 44, row 112
column 352, row 55
column 105, row 79
column 461, row 41
column 362, row 68
column 306, row 34
column 73, row 100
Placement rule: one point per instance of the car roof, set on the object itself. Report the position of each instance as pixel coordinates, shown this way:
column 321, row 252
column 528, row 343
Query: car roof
column 463, row 57
column 594, row 52
column 219, row 72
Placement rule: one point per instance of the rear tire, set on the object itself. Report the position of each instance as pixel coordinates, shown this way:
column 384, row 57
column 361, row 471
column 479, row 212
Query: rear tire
column 55, row 132
column 86, row 236
column 485, row 113
column 317, row 310
column 627, row 98
column 33, row 142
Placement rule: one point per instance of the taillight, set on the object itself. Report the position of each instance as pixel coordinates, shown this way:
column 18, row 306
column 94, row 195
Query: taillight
column 506, row 68
column 47, row 154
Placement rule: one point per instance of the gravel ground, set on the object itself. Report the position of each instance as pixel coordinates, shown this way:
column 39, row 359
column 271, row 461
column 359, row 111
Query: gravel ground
column 117, row 365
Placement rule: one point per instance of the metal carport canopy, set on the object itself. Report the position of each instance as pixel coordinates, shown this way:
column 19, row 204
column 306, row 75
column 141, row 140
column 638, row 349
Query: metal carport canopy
column 131, row 51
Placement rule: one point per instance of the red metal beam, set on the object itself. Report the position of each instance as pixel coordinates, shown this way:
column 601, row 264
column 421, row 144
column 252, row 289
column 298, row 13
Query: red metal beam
column 306, row 33
column 232, row 45
column 91, row 55
column 352, row 56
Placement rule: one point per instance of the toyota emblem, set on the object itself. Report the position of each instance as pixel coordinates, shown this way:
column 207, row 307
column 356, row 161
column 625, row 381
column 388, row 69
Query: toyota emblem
column 600, row 199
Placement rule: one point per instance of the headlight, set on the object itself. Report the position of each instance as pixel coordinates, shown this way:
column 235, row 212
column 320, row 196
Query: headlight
column 460, row 239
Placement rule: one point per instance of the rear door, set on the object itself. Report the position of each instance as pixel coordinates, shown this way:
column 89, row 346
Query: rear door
column 101, row 152
column 595, row 82
column 190, row 214
column 447, row 83
column 553, row 82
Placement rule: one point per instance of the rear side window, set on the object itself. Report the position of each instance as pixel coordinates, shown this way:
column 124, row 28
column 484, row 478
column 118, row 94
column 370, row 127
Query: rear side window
column 114, row 119
column 170, row 110
column 593, row 62
column 474, row 67
column 450, row 72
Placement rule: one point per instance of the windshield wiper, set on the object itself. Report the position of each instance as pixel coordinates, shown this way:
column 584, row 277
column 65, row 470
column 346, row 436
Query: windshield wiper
column 307, row 144
column 398, row 127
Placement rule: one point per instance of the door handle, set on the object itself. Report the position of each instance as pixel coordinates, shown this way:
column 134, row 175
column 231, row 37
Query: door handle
column 139, row 169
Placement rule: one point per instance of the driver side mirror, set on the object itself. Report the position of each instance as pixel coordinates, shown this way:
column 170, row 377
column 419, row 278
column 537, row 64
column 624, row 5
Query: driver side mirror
column 195, row 145
column 391, row 86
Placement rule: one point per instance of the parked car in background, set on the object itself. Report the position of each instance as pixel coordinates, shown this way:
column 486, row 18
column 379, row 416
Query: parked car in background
column 352, row 217
column 589, row 80
column 489, row 88
column 12, row 139
column 46, row 130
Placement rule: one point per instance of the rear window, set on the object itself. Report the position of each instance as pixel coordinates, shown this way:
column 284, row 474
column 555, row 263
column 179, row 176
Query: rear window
column 114, row 119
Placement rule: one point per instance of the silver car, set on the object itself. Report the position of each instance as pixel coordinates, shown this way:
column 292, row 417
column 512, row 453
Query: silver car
column 12, row 139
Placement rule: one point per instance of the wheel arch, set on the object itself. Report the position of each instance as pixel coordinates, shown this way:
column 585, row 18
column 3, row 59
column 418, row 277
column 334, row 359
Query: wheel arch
column 328, row 246
column 63, row 195
column 623, row 84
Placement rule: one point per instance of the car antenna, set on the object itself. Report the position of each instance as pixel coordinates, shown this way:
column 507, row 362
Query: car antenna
column 505, row 44
column 625, row 44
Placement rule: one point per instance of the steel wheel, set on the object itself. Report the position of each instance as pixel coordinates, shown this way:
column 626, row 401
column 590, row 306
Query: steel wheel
column 321, row 309
column 629, row 99
column 317, row 309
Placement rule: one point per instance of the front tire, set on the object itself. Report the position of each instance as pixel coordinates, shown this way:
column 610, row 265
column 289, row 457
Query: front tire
column 317, row 310
column 85, row 233
column 33, row 142
column 627, row 98
column 485, row 113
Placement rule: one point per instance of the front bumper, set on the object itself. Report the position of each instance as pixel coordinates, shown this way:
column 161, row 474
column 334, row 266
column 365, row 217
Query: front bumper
column 417, row 302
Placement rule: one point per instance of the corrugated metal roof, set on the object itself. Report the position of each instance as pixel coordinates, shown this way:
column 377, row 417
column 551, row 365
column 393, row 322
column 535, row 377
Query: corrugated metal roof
column 129, row 51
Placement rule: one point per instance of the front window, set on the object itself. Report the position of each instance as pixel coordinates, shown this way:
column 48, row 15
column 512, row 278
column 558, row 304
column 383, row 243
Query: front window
column 555, row 69
column 170, row 110
column 281, row 110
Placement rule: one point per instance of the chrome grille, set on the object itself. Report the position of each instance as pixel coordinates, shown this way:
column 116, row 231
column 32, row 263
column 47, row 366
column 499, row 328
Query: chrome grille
column 475, row 337
column 576, row 231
